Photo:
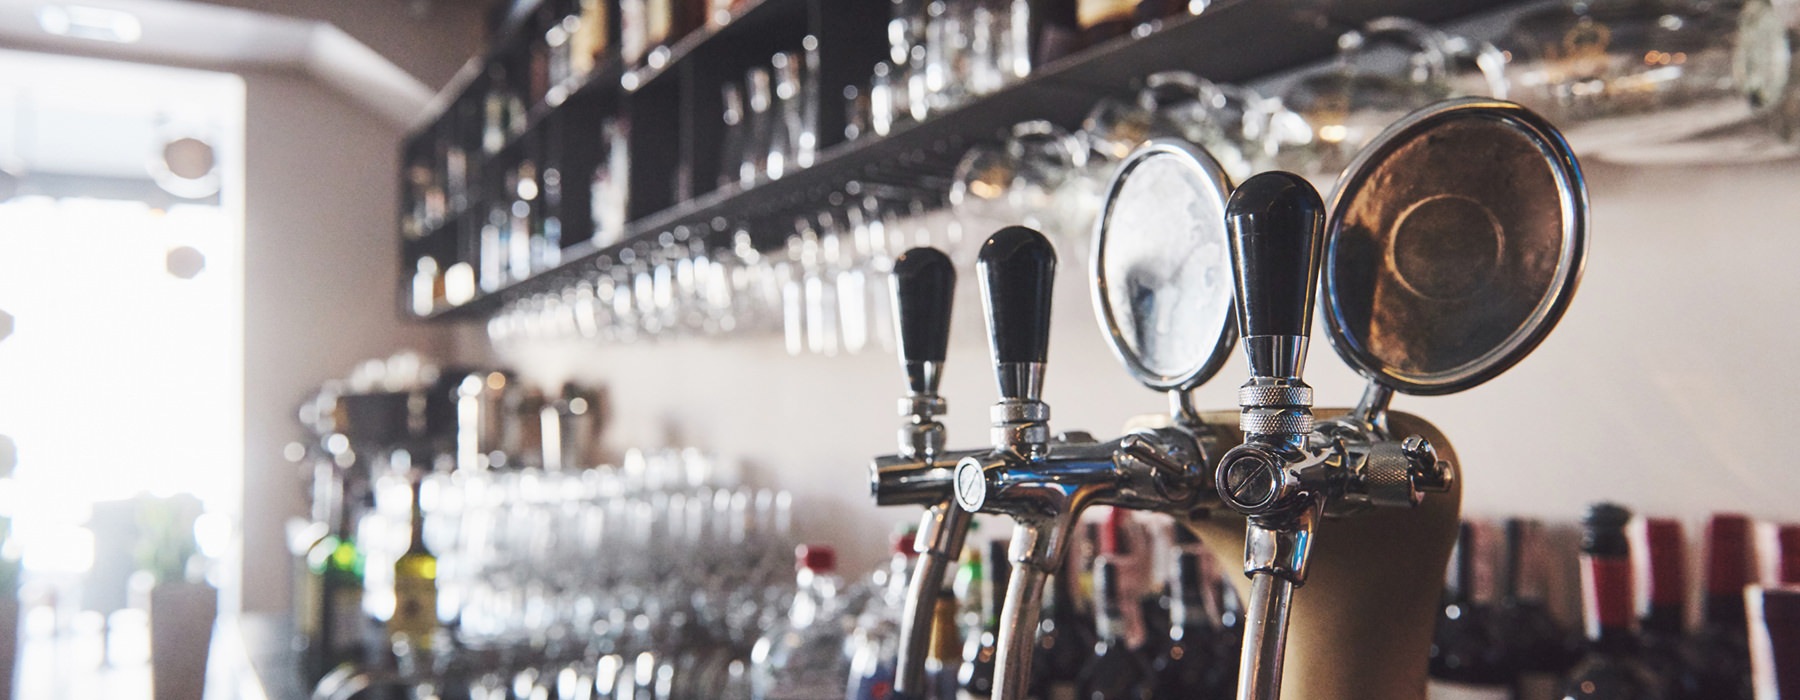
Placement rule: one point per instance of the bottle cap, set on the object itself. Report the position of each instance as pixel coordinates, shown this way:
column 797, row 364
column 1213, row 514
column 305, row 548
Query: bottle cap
column 903, row 541
column 1667, row 561
column 1727, row 553
column 1604, row 530
column 1113, row 537
column 817, row 557
column 1787, row 556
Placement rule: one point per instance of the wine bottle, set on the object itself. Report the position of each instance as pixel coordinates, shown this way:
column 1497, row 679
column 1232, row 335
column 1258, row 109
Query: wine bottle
column 1542, row 650
column 1783, row 555
column 1774, row 613
column 1188, row 665
column 1103, row 20
column 414, row 624
column 1115, row 672
column 1063, row 643
column 335, row 564
column 1468, row 652
column 1717, row 655
column 944, row 657
column 1613, row 668
column 1661, row 619
column 876, row 642
column 976, row 679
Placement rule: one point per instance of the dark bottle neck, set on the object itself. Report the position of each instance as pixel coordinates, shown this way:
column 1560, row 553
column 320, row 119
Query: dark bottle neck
column 1191, row 608
column 1606, row 583
column 1662, row 619
column 1725, row 610
column 1108, row 616
column 1727, row 571
column 1460, row 588
column 417, row 544
column 347, row 506
column 1666, row 555
column 999, row 575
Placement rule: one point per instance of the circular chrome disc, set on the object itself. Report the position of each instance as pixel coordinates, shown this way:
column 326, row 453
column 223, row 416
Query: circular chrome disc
column 1162, row 267
column 1455, row 242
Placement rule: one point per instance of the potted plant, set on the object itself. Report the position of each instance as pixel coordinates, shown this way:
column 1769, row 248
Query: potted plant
column 10, row 572
column 183, row 606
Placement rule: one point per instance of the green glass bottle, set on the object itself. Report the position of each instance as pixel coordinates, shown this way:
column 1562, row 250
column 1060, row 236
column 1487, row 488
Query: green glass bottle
column 414, row 622
column 334, row 630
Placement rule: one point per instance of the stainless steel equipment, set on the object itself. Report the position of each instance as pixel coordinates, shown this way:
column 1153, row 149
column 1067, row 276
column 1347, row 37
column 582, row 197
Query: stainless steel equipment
column 1169, row 320
column 1451, row 249
column 1455, row 243
column 924, row 287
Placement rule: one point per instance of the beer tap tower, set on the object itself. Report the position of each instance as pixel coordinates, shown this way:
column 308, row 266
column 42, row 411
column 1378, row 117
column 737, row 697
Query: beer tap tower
column 919, row 475
column 1044, row 482
column 1436, row 279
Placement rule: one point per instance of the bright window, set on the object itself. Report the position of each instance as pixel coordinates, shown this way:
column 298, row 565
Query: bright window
column 123, row 373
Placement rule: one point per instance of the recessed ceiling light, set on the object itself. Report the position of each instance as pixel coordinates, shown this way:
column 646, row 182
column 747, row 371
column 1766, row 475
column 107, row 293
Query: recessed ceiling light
column 96, row 23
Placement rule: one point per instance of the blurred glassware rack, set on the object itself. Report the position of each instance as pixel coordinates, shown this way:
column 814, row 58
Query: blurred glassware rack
column 481, row 152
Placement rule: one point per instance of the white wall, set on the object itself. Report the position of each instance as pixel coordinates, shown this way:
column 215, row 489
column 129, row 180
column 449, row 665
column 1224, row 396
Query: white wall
column 320, row 266
column 1666, row 386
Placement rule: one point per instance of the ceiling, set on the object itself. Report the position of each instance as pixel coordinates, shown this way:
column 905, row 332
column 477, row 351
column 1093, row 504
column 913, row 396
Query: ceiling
column 64, row 114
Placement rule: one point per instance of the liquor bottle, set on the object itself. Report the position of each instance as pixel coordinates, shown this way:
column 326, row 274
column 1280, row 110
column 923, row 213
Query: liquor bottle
column 589, row 40
column 1783, row 554
column 634, row 31
column 875, row 645
column 659, row 23
column 1613, row 668
column 1774, row 613
column 414, row 623
column 759, row 121
column 786, row 125
column 731, row 148
column 1718, row 654
column 802, row 658
column 1661, row 619
column 1468, row 653
column 493, row 113
column 976, row 679
column 335, row 564
column 1064, row 642
column 523, row 185
column 1542, row 649
column 944, row 657
column 970, row 585
column 1115, row 672
column 1103, row 20
column 1189, row 664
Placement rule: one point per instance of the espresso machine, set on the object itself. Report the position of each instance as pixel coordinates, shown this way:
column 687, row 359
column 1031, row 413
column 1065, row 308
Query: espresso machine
column 1451, row 247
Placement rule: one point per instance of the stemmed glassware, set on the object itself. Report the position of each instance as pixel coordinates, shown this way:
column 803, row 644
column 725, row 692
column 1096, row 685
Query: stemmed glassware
column 544, row 575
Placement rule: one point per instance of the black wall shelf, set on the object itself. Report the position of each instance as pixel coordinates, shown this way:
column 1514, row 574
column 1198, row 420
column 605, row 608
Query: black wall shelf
column 1234, row 41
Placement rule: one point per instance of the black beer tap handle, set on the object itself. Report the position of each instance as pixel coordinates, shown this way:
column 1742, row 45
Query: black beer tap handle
column 924, row 286
column 1018, row 266
column 1276, row 223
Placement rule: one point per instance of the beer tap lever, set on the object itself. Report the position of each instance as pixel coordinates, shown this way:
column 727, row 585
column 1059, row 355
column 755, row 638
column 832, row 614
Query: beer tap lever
column 1276, row 224
column 1289, row 472
column 1018, row 268
column 1044, row 485
column 920, row 474
column 924, row 286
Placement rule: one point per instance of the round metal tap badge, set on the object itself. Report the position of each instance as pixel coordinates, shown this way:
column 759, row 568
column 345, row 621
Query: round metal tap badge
column 971, row 485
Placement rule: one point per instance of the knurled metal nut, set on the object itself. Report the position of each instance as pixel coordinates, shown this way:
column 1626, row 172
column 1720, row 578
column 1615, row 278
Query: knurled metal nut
column 1263, row 422
column 1021, row 433
column 925, row 406
column 1019, row 412
column 1386, row 475
column 1253, row 396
